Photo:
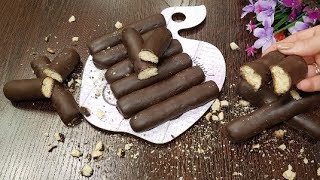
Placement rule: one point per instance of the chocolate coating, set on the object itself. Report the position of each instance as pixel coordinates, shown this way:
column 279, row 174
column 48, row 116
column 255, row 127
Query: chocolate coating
column 272, row 58
column 307, row 122
column 134, row 102
column 174, row 106
column 65, row 105
column 157, row 44
column 133, row 41
column 166, row 68
column 62, row 100
column 40, row 64
column 63, row 64
column 261, row 68
column 24, row 90
column 109, row 57
column 119, row 71
column 259, row 98
column 265, row 117
column 114, row 38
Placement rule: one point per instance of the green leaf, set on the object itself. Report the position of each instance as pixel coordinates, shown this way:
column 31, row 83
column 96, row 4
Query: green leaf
column 281, row 22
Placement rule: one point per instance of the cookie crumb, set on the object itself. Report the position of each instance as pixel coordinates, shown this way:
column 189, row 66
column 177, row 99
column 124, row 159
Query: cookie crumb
column 295, row 95
column 120, row 153
column 72, row 19
column 221, row 116
column 215, row 107
column 128, row 146
column 256, row 146
column 234, row 46
column 305, row 161
column 46, row 39
column 318, row 171
column 99, row 146
column 118, row 25
column 289, row 174
column 76, row 153
column 96, row 154
column 282, row 147
column 75, row 39
column 208, row 116
column 100, row 114
column 59, row 137
column 215, row 118
column 237, row 174
column 224, row 103
column 87, row 171
column 279, row 133
column 244, row 103
column 51, row 51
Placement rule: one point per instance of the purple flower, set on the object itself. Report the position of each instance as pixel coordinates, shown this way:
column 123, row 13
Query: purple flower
column 265, row 10
column 299, row 26
column 247, row 9
column 251, row 27
column 251, row 50
column 295, row 5
column 265, row 36
column 313, row 14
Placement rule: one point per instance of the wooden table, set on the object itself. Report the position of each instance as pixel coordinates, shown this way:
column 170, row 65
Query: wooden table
column 203, row 152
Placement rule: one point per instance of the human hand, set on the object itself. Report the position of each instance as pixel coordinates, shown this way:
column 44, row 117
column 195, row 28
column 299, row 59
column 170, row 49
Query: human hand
column 306, row 44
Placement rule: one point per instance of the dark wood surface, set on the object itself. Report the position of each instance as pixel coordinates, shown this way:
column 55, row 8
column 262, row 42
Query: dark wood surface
column 23, row 146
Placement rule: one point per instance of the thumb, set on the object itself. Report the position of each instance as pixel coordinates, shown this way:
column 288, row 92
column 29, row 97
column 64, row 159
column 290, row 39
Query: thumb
column 305, row 47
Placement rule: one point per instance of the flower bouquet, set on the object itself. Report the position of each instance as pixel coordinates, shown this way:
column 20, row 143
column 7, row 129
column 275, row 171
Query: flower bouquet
column 274, row 20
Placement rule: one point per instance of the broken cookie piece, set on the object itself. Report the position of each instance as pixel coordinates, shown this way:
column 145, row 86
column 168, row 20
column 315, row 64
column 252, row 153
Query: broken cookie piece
column 87, row 171
column 288, row 73
column 76, row 153
column 289, row 174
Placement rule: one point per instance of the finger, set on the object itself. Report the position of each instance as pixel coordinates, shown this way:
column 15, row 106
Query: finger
column 271, row 48
column 301, row 35
column 310, row 84
column 311, row 71
column 306, row 47
column 295, row 37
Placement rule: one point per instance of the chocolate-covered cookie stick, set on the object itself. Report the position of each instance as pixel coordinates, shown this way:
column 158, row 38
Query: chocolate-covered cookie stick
column 133, row 41
column 258, row 98
column 62, row 65
column 257, row 73
column 134, row 102
column 166, row 68
column 287, row 73
column 114, row 38
column 65, row 105
column 125, row 67
column 39, row 65
column 265, row 117
column 308, row 123
column 28, row 89
column 118, row 71
column 109, row 57
column 62, row 100
column 174, row 106
column 156, row 45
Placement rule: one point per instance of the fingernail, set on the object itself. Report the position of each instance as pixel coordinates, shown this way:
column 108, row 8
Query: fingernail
column 285, row 46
